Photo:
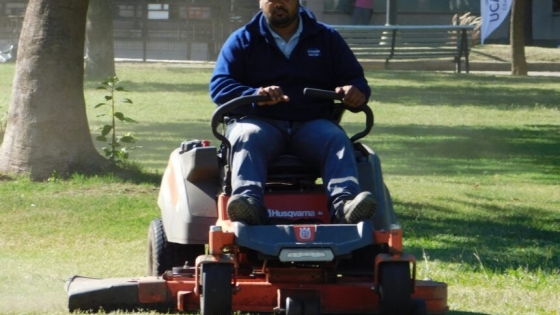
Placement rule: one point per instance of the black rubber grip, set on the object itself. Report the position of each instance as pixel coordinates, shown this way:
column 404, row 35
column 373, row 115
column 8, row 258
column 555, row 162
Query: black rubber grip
column 323, row 94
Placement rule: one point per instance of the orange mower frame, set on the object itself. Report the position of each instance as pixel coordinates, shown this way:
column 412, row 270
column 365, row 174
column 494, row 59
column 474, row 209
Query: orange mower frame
column 199, row 260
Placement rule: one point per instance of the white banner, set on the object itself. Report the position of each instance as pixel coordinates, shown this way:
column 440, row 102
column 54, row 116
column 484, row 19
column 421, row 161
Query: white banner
column 493, row 13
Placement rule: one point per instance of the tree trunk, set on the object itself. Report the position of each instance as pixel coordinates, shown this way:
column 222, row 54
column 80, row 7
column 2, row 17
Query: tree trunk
column 47, row 129
column 100, row 53
column 528, row 23
column 517, row 35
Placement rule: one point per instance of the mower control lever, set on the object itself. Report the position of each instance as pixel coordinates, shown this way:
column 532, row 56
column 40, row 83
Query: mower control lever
column 336, row 96
column 328, row 94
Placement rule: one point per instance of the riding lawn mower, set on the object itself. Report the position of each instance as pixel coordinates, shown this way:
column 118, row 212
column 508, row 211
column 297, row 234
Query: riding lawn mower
column 298, row 263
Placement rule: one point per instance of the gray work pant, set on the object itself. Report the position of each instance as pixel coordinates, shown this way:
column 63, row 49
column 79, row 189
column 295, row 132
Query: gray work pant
column 319, row 143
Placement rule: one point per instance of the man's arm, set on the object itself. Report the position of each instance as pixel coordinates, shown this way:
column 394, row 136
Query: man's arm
column 276, row 95
column 353, row 97
column 349, row 73
column 229, row 71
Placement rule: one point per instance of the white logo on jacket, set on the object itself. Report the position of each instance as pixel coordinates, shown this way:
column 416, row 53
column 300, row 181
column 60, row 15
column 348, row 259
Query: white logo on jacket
column 314, row 52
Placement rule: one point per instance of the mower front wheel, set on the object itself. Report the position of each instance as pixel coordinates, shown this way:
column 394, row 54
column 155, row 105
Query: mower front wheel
column 163, row 255
column 217, row 291
column 395, row 288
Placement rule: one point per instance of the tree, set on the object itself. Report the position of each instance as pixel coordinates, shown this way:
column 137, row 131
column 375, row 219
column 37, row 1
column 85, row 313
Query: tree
column 47, row 129
column 517, row 35
column 528, row 23
column 100, row 52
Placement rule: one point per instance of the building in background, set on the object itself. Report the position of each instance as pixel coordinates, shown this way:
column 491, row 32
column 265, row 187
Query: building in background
column 196, row 29
column 545, row 27
column 11, row 19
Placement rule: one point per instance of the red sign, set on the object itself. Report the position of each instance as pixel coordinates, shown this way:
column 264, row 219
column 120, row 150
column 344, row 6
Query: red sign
column 305, row 233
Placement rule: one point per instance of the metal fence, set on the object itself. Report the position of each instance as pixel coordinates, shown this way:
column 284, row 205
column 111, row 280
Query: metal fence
column 156, row 29
column 10, row 28
column 177, row 29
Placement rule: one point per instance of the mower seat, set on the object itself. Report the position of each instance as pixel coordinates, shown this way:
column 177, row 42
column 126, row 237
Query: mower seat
column 286, row 167
column 290, row 173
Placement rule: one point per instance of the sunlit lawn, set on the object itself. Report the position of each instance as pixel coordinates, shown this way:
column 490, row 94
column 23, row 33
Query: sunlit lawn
column 471, row 161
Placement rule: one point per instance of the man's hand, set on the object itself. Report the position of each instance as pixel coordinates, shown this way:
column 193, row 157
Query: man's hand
column 276, row 95
column 352, row 96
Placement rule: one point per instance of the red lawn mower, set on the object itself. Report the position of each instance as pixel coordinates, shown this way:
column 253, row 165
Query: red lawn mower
column 299, row 263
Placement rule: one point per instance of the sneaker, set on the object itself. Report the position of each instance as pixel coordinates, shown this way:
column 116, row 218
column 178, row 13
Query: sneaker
column 361, row 208
column 246, row 209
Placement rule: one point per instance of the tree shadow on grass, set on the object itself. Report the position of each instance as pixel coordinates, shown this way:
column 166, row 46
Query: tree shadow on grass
column 5, row 178
column 429, row 150
column 464, row 313
column 156, row 141
column 489, row 56
column 451, row 312
column 195, row 80
column 157, row 87
column 496, row 92
column 138, row 175
column 496, row 234
column 489, row 238
column 410, row 150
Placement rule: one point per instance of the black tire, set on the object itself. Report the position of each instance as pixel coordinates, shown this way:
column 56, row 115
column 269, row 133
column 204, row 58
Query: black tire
column 217, row 292
column 294, row 306
column 361, row 263
column 312, row 306
column 419, row 307
column 163, row 255
column 395, row 289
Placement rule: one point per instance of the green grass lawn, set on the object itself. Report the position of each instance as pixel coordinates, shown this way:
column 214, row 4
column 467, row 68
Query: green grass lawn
column 502, row 53
column 472, row 162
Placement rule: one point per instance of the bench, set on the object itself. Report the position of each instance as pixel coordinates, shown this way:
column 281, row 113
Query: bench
column 387, row 42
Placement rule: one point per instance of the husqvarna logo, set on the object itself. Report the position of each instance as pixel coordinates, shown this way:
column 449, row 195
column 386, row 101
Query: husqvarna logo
column 305, row 233
column 297, row 214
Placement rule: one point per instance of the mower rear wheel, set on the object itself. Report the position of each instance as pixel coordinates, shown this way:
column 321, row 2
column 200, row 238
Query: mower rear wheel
column 217, row 291
column 419, row 307
column 395, row 289
column 163, row 255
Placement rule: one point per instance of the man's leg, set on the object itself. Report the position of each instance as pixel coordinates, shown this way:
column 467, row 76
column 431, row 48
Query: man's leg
column 254, row 144
column 356, row 16
column 361, row 16
column 323, row 143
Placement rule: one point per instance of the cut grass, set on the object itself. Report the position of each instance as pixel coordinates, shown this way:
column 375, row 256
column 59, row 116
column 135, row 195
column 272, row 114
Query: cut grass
column 53, row 230
column 471, row 161
column 502, row 53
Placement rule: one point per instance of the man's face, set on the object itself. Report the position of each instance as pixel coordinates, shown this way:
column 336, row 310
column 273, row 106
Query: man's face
column 280, row 13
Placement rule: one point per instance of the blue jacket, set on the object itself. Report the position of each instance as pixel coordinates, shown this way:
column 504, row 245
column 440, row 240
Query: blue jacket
column 251, row 59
